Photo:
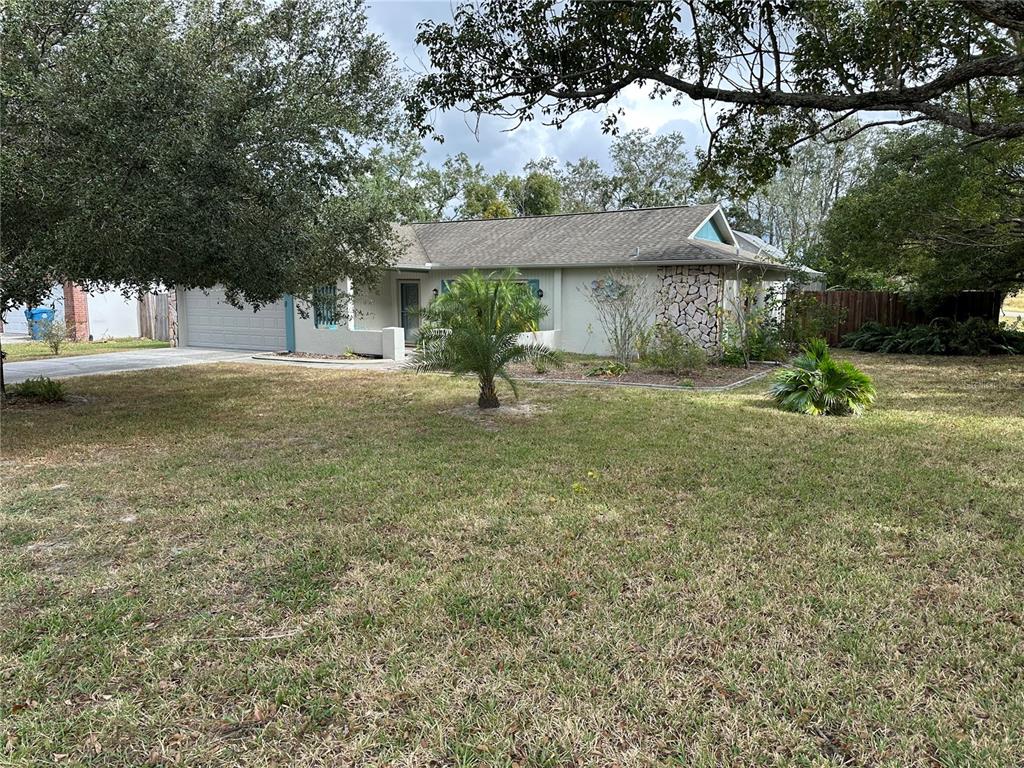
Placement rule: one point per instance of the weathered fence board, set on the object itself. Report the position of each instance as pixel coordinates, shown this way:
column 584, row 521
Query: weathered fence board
column 154, row 317
column 890, row 308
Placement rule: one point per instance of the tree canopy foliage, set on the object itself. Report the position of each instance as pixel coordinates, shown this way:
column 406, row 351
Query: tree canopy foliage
column 780, row 71
column 646, row 170
column 930, row 216
column 192, row 143
column 790, row 210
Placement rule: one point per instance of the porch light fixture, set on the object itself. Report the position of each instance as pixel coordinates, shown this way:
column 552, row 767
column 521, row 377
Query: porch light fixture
column 434, row 292
column 540, row 293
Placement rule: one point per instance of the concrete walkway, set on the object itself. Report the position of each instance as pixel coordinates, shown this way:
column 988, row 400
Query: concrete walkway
column 118, row 362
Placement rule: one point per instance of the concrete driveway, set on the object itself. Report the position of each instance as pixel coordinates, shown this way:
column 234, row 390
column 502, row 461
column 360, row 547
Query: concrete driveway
column 118, row 362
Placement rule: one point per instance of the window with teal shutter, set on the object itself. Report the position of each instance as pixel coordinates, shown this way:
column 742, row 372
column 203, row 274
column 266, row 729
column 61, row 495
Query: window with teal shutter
column 325, row 307
column 534, row 286
column 444, row 285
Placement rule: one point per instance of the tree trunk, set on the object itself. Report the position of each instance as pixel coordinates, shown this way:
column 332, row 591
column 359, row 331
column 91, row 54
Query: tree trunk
column 488, row 394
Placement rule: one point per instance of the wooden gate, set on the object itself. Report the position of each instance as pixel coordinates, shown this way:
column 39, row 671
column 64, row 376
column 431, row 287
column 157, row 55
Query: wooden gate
column 154, row 317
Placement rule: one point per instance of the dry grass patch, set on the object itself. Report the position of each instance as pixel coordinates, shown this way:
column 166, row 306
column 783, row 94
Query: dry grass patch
column 238, row 565
column 511, row 412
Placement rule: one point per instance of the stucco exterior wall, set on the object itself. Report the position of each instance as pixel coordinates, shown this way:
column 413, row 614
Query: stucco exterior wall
column 571, row 323
column 347, row 336
column 385, row 342
column 377, row 306
column 112, row 316
column 581, row 332
column 569, row 312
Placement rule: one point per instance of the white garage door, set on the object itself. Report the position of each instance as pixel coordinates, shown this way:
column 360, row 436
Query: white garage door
column 211, row 322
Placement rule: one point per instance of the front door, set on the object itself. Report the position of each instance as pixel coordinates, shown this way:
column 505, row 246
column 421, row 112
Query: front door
column 408, row 303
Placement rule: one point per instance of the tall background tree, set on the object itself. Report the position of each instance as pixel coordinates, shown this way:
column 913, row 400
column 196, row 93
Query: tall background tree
column 193, row 143
column 930, row 216
column 789, row 210
column 650, row 170
column 646, row 170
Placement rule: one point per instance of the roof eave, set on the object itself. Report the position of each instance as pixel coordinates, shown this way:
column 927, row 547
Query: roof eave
column 745, row 262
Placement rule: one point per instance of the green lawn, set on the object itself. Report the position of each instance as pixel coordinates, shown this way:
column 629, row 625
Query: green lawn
column 241, row 565
column 37, row 350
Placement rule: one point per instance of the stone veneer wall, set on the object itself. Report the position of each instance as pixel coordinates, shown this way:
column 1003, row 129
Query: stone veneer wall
column 690, row 300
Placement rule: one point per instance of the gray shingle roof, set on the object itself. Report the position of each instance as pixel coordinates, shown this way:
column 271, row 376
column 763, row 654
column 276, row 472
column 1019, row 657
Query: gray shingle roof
column 753, row 245
column 645, row 235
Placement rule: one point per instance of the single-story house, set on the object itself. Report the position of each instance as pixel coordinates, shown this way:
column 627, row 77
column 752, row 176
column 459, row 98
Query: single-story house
column 688, row 256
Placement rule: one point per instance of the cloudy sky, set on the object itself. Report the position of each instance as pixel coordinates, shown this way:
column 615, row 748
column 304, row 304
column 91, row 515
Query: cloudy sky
column 492, row 145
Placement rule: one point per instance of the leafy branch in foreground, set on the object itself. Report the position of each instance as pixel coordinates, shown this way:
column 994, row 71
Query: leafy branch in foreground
column 782, row 71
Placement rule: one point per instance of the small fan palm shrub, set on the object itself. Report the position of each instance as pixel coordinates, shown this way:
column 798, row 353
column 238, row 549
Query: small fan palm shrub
column 474, row 328
column 818, row 385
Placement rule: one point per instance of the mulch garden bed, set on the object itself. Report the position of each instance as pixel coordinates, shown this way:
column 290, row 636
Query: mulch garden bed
column 578, row 370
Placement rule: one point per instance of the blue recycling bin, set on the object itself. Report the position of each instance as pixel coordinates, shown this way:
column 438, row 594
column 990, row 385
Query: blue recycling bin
column 36, row 317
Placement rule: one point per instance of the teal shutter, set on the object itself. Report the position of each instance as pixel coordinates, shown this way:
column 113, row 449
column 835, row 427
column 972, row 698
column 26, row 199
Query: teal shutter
column 444, row 285
column 325, row 307
column 289, row 322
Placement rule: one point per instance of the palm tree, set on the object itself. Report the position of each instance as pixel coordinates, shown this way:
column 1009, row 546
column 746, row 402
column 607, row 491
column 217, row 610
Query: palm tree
column 474, row 328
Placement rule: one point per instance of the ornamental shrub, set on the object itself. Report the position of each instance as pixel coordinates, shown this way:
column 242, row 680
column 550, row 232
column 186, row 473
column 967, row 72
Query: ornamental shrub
column 664, row 348
column 975, row 336
column 818, row 385
column 42, row 389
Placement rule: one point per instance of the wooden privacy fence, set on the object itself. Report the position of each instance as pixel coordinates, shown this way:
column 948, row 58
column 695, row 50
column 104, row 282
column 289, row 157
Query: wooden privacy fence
column 154, row 317
column 890, row 308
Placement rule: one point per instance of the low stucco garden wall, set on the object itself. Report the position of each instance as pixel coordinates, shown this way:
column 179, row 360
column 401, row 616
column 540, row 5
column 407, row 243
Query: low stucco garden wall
column 388, row 343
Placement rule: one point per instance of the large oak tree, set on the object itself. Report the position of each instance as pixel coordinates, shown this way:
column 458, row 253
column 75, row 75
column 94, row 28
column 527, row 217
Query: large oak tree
column 192, row 143
column 778, row 71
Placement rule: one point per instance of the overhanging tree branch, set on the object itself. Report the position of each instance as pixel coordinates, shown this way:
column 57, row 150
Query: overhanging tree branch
column 785, row 68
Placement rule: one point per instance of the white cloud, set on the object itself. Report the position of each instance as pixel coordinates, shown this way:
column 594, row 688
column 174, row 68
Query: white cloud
column 641, row 111
column 491, row 143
